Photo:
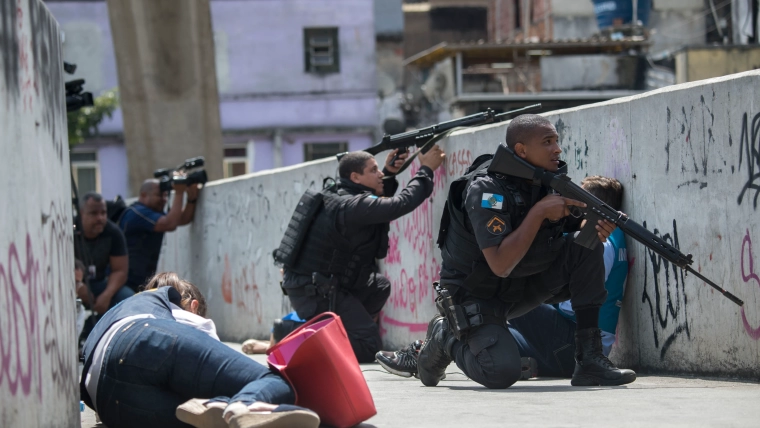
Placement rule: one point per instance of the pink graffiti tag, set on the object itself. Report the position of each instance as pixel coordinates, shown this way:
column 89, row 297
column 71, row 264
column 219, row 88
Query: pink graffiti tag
column 19, row 332
column 746, row 276
column 414, row 327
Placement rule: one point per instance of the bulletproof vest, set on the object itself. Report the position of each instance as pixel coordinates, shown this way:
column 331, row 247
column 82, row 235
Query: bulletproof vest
column 460, row 250
column 326, row 250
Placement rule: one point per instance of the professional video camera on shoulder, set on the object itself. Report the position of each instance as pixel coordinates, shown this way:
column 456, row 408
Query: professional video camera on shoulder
column 168, row 178
column 76, row 98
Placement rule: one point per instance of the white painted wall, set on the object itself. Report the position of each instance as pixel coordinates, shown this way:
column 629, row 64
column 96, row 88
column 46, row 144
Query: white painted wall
column 681, row 153
column 38, row 344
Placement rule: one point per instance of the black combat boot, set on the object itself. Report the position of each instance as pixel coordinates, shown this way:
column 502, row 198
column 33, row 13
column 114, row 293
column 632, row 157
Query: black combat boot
column 592, row 368
column 402, row 362
column 435, row 354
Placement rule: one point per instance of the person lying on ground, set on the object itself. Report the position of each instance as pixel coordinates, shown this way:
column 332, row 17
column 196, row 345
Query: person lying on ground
column 147, row 364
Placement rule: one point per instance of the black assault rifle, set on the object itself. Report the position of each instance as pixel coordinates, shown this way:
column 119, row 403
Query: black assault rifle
column 425, row 138
column 505, row 162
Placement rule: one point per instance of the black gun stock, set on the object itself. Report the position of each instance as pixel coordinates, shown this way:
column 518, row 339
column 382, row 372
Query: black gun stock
column 425, row 137
column 505, row 162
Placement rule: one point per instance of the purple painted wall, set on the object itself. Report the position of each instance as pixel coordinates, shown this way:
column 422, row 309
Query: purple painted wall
column 260, row 71
column 112, row 161
column 292, row 145
column 298, row 112
column 264, row 155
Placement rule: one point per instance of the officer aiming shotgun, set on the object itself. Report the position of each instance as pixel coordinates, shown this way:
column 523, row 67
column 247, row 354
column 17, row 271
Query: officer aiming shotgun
column 425, row 138
column 505, row 162
column 331, row 244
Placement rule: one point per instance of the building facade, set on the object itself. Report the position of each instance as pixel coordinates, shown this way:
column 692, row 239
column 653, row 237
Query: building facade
column 297, row 81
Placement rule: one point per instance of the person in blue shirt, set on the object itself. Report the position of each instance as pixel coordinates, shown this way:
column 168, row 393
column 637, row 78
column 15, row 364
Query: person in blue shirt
column 145, row 222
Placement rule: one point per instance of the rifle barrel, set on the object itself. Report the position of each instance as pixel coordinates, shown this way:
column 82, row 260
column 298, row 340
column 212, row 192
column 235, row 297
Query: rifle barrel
column 730, row 296
column 499, row 116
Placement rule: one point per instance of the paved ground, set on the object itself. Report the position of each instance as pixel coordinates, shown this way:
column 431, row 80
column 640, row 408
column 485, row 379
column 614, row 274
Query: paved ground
column 651, row 401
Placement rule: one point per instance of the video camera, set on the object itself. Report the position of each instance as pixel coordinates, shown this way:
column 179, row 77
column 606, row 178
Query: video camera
column 167, row 178
column 75, row 98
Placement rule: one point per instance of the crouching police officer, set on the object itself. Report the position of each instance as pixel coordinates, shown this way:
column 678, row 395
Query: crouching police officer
column 334, row 237
column 504, row 252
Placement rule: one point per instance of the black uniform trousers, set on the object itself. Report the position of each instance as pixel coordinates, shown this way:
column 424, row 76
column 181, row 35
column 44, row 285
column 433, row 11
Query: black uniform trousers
column 357, row 310
column 489, row 355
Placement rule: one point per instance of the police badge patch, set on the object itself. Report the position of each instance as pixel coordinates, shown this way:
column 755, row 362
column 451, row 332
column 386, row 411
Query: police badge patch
column 492, row 201
column 496, row 225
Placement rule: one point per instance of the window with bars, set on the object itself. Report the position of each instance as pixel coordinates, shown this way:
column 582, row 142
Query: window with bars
column 235, row 161
column 313, row 151
column 321, row 53
column 85, row 170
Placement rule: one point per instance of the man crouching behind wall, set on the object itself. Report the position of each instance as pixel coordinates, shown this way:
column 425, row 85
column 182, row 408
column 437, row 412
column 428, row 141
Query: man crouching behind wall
column 335, row 268
column 504, row 253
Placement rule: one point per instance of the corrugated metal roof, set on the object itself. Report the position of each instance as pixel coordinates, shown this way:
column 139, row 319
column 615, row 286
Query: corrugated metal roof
column 474, row 51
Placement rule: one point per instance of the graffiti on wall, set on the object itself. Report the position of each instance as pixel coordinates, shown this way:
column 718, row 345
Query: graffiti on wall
column 616, row 161
column 749, row 276
column 575, row 153
column 665, row 295
column 691, row 130
column 749, row 151
column 411, row 282
column 32, row 65
column 241, row 289
column 36, row 324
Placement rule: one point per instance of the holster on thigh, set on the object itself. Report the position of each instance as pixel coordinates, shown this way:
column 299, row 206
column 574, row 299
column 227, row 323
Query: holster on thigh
column 470, row 314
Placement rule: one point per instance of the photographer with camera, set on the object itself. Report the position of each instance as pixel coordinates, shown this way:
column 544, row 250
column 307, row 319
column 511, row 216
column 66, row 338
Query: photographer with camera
column 144, row 223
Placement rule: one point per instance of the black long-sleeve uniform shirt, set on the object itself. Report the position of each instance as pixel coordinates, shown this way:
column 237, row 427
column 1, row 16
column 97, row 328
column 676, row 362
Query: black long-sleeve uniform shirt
column 367, row 209
column 362, row 215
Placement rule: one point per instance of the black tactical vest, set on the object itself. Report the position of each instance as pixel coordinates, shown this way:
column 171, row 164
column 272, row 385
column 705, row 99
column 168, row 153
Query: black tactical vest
column 327, row 251
column 460, row 250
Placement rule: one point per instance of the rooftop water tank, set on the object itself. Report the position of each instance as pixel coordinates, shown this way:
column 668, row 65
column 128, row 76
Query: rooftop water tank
column 607, row 11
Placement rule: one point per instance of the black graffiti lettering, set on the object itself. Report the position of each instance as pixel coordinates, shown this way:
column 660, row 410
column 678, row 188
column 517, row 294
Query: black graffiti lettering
column 750, row 147
column 48, row 70
column 9, row 48
column 695, row 154
column 673, row 291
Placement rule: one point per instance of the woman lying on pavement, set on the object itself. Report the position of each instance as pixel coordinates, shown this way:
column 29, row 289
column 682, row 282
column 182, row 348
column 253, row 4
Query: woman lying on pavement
column 154, row 361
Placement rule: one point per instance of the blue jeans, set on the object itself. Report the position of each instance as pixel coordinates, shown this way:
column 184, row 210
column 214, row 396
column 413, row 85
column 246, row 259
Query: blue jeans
column 124, row 292
column 154, row 365
column 544, row 334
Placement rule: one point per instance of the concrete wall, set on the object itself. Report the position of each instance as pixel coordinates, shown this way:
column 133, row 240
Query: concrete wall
column 687, row 156
column 38, row 344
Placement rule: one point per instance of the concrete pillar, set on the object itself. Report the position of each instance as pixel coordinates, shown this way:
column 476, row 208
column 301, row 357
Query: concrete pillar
column 167, row 83
column 39, row 380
